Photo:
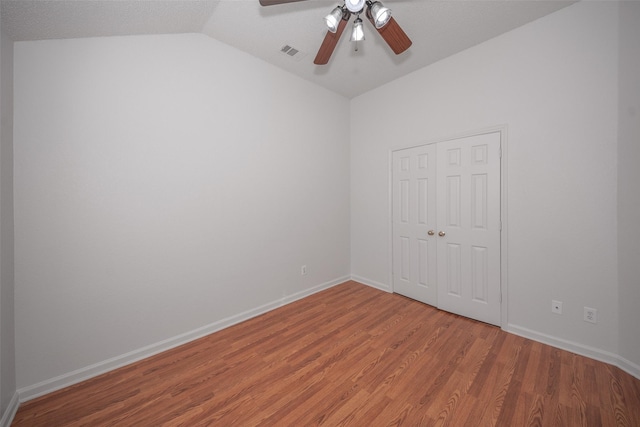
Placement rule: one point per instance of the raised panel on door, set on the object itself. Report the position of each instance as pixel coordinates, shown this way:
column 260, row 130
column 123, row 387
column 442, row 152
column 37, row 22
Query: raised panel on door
column 414, row 214
column 468, row 215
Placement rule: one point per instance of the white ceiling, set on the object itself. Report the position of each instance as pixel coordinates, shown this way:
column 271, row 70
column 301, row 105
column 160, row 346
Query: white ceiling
column 438, row 28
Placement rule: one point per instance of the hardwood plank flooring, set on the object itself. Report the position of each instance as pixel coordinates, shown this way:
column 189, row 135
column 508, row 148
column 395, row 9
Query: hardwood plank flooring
column 351, row 355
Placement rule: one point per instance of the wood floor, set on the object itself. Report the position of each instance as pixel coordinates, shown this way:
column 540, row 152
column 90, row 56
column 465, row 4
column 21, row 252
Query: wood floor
column 351, row 355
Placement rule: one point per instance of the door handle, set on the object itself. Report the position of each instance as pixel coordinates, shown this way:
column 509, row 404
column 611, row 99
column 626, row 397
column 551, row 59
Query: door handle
column 441, row 234
column 431, row 232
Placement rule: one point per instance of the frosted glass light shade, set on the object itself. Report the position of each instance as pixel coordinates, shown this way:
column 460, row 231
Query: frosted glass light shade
column 333, row 19
column 358, row 31
column 380, row 14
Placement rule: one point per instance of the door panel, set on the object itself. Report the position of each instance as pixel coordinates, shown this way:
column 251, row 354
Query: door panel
column 468, row 200
column 414, row 214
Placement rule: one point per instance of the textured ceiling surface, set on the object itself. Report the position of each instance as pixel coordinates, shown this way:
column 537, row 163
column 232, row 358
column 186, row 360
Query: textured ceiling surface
column 438, row 28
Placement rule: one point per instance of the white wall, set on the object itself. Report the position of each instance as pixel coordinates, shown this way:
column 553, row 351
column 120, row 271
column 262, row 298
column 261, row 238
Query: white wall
column 164, row 185
column 553, row 83
column 7, row 343
column 628, row 180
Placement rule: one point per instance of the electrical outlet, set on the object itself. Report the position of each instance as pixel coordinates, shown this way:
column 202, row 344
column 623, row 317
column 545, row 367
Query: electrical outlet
column 556, row 307
column 303, row 270
column 590, row 315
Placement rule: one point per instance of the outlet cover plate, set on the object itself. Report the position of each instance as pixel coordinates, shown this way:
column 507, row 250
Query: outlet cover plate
column 590, row 315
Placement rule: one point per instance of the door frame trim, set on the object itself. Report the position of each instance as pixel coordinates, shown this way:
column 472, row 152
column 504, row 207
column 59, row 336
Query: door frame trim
column 504, row 241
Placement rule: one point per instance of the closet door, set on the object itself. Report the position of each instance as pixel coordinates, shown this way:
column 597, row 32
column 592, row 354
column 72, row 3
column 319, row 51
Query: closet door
column 414, row 223
column 468, row 218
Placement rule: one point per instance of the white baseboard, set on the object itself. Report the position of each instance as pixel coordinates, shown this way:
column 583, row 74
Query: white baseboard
column 577, row 348
column 10, row 412
column 74, row 377
column 372, row 283
column 629, row 367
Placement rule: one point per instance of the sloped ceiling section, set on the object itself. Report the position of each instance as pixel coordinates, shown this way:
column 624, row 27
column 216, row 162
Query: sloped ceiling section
column 437, row 28
column 64, row 19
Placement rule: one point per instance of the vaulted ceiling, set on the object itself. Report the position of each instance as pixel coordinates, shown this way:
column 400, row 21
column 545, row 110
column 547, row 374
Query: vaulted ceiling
column 437, row 28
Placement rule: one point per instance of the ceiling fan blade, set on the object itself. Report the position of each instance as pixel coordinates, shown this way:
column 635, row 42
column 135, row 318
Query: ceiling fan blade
column 329, row 44
column 272, row 2
column 395, row 37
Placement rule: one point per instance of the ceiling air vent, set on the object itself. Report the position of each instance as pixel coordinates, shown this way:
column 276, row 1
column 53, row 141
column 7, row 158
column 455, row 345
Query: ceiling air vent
column 292, row 52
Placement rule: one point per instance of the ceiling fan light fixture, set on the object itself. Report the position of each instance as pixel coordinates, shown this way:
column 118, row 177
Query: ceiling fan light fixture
column 380, row 14
column 358, row 31
column 333, row 19
column 354, row 6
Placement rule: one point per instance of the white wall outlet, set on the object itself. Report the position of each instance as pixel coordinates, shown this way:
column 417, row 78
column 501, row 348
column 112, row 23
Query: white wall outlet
column 590, row 315
column 556, row 307
column 303, row 270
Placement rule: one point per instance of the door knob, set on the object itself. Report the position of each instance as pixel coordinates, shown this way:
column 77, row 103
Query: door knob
column 441, row 233
column 431, row 232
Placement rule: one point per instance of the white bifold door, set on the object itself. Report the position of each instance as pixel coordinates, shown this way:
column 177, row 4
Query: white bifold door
column 446, row 225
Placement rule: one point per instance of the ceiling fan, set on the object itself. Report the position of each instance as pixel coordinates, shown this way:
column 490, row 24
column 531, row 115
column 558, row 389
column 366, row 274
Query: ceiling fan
column 379, row 16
